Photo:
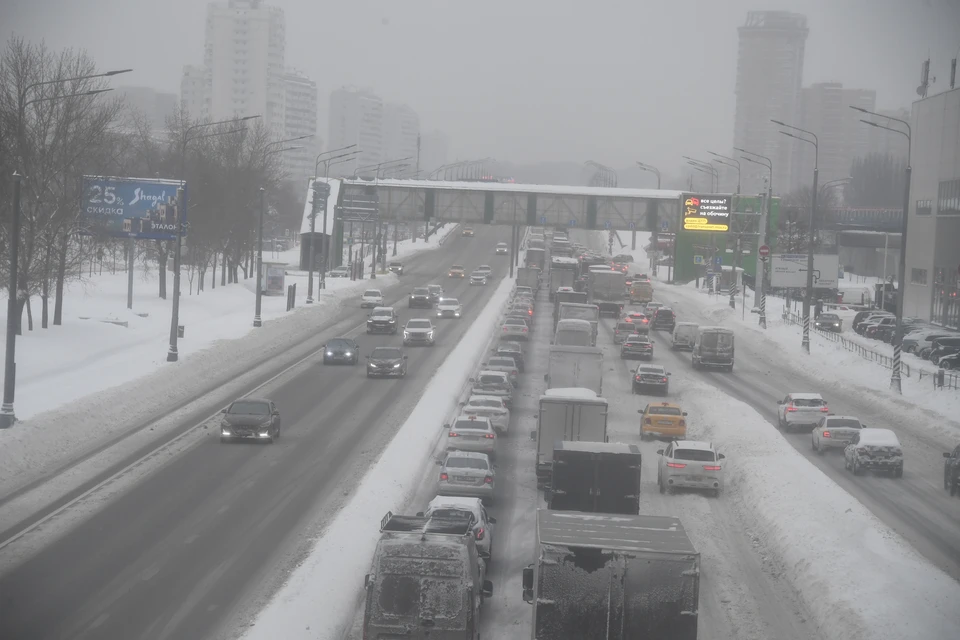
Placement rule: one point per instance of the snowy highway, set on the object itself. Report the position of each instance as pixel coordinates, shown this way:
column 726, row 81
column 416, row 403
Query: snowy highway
column 194, row 547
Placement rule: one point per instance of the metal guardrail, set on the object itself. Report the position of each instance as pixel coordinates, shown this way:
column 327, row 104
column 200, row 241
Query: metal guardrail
column 941, row 379
column 851, row 345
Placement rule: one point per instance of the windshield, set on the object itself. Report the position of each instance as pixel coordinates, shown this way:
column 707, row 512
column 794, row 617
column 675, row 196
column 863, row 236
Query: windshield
column 491, row 403
column 807, row 402
column 419, row 324
column 625, row 326
column 449, row 512
column 491, row 379
column 579, row 313
column 457, row 266
column 435, row 288
column 338, row 343
column 449, row 302
column 421, row 292
column 381, row 314
column 843, row 423
column 372, row 292
column 467, row 463
column 247, row 408
column 665, row 411
column 716, row 340
column 829, row 317
column 520, row 322
column 502, row 362
column 482, row 425
column 638, row 340
column 697, row 455
column 386, row 353
column 654, row 371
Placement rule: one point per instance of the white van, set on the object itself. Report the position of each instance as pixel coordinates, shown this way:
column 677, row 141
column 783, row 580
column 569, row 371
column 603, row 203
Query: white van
column 684, row 335
column 574, row 333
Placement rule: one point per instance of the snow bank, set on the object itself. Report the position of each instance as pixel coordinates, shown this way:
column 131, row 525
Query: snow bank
column 321, row 594
column 859, row 579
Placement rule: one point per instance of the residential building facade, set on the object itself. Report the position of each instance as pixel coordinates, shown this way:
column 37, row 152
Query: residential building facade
column 933, row 226
column 769, row 76
column 300, row 119
column 401, row 128
column 156, row 106
column 434, row 151
column 356, row 117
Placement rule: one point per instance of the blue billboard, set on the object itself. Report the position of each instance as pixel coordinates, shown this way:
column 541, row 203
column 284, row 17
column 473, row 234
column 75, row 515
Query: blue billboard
column 132, row 207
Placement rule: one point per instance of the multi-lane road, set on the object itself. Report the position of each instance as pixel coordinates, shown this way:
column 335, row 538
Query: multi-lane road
column 193, row 548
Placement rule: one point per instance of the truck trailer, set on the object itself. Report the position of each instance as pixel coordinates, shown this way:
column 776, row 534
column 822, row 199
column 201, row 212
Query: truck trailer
column 595, row 477
column 607, row 290
column 580, row 367
column 566, row 414
column 612, row 577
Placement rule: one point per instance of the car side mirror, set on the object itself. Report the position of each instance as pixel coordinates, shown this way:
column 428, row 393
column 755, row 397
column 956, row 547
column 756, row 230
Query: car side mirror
column 487, row 588
column 223, row 410
column 471, row 380
column 367, row 357
column 367, row 581
column 684, row 413
column 546, row 377
column 946, row 454
column 528, row 579
column 404, row 357
column 720, row 456
column 779, row 401
column 669, row 374
column 659, row 452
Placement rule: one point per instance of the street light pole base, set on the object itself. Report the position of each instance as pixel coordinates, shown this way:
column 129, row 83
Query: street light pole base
column 894, row 386
column 7, row 418
column 763, row 321
column 257, row 322
column 172, row 356
column 309, row 300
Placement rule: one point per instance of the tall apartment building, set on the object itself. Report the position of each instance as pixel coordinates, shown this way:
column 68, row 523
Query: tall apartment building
column 825, row 110
column 401, row 128
column 300, row 119
column 156, row 106
column 243, row 73
column 434, row 151
column 356, row 117
column 769, row 76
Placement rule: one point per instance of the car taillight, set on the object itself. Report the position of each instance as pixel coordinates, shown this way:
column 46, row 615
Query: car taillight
column 488, row 480
column 530, row 312
column 826, row 434
column 480, row 533
column 711, row 467
column 444, row 476
column 791, row 408
column 489, row 436
column 637, row 377
column 645, row 321
column 824, row 409
column 505, row 329
column 524, row 329
column 683, row 423
column 453, row 434
column 663, row 380
column 676, row 465
column 647, row 421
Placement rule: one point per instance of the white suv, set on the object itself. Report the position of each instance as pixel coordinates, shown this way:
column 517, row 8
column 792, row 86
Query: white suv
column 690, row 464
column 371, row 298
column 801, row 410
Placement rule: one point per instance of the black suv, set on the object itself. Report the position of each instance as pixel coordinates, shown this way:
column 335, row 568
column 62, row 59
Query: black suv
column 663, row 318
column 341, row 350
column 420, row 297
column 386, row 362
column 396, row 267
column 382, row 320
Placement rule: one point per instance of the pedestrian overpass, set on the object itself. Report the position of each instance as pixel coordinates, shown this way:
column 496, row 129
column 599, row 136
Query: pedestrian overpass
column 409, row 201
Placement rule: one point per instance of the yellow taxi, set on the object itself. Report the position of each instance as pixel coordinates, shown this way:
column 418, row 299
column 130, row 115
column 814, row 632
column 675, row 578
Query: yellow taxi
column 663, row 420
column 456, row 271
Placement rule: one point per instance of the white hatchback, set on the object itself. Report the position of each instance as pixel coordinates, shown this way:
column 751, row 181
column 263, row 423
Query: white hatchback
column 371, row 298
column 690, row 464
column 801, row 410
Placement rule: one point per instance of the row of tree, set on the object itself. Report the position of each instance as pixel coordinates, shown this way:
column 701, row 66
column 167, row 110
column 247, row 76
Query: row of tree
column 52, row 132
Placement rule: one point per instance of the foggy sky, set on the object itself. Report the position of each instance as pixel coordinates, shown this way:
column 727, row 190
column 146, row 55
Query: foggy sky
column 530, row 80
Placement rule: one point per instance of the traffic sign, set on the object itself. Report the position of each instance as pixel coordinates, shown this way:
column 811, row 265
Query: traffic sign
column 764, row 251
column 664, row 225
column 606, row 224
column 633, row 225
column 543, row 219
column 709, row 272
column 790, row 271
column 697, row 259
column 573, row 223
column 718, row 263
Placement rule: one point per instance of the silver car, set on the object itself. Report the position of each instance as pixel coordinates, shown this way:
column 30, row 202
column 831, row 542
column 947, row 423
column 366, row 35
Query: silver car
column 514, row 329
column 449, row 308
column 494, row 383
column 485, row 269
column 834, row 432
column 472, row 433
column 491, row 407
column 456, row 507
column 419, row 331
column 478, row 279
column 799, row 410
column 505, row 364
column 690, row 464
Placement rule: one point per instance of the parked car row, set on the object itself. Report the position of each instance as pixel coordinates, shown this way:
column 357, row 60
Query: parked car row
column 938, row 345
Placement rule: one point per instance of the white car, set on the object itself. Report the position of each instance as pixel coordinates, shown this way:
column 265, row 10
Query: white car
column 494, row 383
column 485, row 269
column 371, row 298
column 449, row 308
column 478, row 279
column 456, row 506
column 339, row 272
column 834, row 432
column 690, row 464
column 505, row 364
column 514, row 329
column 801, row 410
column 472, row 433
column 419, row 331
column 502, row 249
column 491, row 407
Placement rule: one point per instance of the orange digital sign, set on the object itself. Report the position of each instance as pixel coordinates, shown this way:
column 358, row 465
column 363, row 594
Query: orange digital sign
column 706, row 213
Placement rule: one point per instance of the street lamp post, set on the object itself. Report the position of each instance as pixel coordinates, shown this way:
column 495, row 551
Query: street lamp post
column 655, row 227
column 730, row 162
column 895, row 381
column 808, row 296
column 342, row 157
column 764, row 221
column 7, row 415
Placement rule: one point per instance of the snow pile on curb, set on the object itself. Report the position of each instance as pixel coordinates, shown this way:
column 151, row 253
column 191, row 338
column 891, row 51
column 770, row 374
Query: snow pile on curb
column 859, row 579
column 321, row 595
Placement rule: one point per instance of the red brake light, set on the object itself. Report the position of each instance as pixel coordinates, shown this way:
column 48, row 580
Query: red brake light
column 683, row 423
column 444, row 476
column 453, row 434
column 663, row 379
column 826, row 434
column 791, row 408
column 647, row 421
column 824, row 409
column 645, row 320
column 489, row 436
column 488, row 480
column 530, row 312
column 480, row 532
column 524, row 329
column 711, row 467
column 676, row 465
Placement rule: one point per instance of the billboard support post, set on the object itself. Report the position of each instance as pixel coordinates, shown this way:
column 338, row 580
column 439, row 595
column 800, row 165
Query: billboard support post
column 7, row 415
column 131, row 247
column 172, row 355
column 257, row 321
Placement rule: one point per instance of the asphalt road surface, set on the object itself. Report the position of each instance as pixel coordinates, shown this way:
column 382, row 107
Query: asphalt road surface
column 194, row 549
column 916, row 505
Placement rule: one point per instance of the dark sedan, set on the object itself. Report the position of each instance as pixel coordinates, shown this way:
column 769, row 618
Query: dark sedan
column 663, row 318
column 420, row 297
column 250, row 418
column 386, row 362
column 395, row 267
column 341, row 351
column 382, row 320
column 829, row 322
column 636, row 346
column 512, row 349
column 651, row 377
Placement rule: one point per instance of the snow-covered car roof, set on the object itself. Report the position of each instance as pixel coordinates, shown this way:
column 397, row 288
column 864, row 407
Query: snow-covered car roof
column 710, row 328
column 575, row 322
column 490, row 372
column 381, row 310
column 806, row 396
column 373, row 292
column 573, row 393
column 651, row 368
column 879, row 437
column 564, row 260
column 693, row 444
column 502, row 360
column 455, row 502
column 833, row 417
column 468, row 454
column 476, row 422
column 480, row 396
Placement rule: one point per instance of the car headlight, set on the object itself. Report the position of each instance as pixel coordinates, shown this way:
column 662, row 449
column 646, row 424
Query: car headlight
column 393, row 322
column 406, row 334
column 430, row 334
column 439, row 313
column 457, row 314
column 330, row 353
column 347, row 354
column 396, row 366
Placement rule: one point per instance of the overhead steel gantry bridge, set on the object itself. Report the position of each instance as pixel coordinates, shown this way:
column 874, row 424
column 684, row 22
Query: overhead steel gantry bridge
column 503, row 204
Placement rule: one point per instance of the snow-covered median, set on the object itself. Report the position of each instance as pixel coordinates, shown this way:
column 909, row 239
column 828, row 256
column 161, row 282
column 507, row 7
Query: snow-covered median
column 319, row 599
column 859, row 578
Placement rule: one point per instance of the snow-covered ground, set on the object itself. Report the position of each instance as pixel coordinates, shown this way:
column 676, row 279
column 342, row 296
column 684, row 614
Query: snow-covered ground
column 81, row 382
column 318, row 599
column 827, row 360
